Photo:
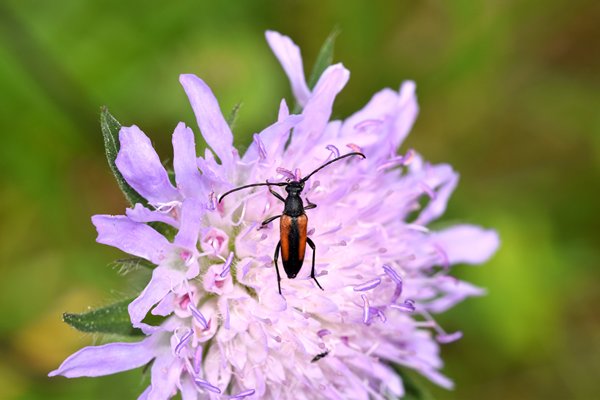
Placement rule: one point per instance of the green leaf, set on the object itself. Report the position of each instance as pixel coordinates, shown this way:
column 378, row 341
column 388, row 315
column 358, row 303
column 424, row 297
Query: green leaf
column 233, row 115
column 324, row 59
column 110, row 319
column 110, row 131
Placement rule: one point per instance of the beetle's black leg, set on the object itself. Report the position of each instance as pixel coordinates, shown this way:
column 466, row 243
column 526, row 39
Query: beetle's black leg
column 268, row 220
column 312, row 270
column 274, row 193
column 309, row 205
column 276, row 258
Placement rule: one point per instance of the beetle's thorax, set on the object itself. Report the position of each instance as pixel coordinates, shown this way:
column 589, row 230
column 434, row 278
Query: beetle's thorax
column 293, row 202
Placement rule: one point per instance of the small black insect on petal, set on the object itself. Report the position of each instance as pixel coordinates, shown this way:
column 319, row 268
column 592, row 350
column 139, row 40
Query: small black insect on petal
column 319, row 356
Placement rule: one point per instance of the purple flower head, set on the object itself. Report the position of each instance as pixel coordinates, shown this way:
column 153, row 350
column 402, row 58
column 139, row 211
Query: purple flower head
column 228, row 333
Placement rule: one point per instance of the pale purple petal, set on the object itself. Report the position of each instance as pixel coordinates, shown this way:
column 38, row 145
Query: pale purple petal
column 318, row 109
column 467, row 244
column 107, row 359
column 288, row 54
column 166, row 306
column 188, row 389
column 211, row 170
column 453, row 291
column 407, row 113
column 140, row 166
column 382, row 125
column 437, row 378
column 212, row 125
column 165, row 376
column 284, row 111
column 445, row 180
column 145, row 393
column 272, row 138
column 187, row 174
column 132, row 237
column 189, row 229
column 163, row 281
column 139, row 213
column 372, row 127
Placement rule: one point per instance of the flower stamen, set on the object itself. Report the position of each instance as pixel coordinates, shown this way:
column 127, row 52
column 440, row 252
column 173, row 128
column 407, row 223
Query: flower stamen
column 262, row 152
column 227, row 265
column 366, row 308
column 443, row 255
column 442, row 336
column 183, row 341
column 198, row 360
column 198, row 316
column 285, row 172
column 334, row 150
column 354, row 147
column 243, row 394
column 323, row 332
column 408, row 306
column 167, row 207
column 206, row 385
column 361, row 126
column 373, row 283
column 212, row 201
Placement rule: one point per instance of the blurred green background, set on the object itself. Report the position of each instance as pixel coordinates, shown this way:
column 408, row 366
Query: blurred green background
column 509, row 93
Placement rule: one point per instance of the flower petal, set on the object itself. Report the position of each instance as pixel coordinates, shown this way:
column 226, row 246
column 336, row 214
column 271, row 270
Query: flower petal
column 188, row 389
column 213, row 172
column 467, row 244
column 288, row 54
column 318, row 108
column 132, row 237
column 165, row 375
column 273, row 138
column 164, row 279
column 383, row 123
column 284, row 111
column 189, row 229
column 187, row 175
column 139, row 213
column 453, row 292
column 212, row 125
column 444, row 180
column 408, row 109
column 140, row 166
column 144, row 395
column 107, row 359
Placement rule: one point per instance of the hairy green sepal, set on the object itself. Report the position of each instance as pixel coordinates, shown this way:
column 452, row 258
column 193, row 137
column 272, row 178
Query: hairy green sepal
column 112, row 319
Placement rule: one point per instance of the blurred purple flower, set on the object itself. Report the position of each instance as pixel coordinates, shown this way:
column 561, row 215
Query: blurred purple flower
column 384, row 272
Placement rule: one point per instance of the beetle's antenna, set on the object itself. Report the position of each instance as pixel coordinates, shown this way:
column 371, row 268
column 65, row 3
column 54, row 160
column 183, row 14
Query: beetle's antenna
column 356, row 153
column 249, row 186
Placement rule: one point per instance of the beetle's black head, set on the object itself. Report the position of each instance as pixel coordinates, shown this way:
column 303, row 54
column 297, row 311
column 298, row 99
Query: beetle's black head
column 294, row 187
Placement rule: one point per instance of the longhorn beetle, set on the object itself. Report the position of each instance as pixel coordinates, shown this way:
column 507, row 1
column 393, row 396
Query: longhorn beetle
column 293, row 223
